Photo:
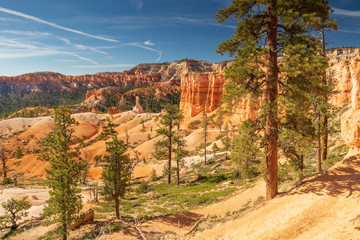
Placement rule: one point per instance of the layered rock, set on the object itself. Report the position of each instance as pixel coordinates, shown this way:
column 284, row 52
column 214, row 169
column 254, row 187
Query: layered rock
column 199, row 91
column 350, row 120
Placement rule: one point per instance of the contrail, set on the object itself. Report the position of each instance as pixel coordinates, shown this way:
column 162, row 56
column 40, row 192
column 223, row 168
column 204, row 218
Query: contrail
column 23, row 15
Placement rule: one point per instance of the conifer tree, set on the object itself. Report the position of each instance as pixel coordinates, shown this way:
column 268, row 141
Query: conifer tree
column 246, row 150
column 180, row 153
column 19, row 153
column 3, row 160
column 226, row 140
column 64, row 174
column 116, row 171
column 164, row 149
column 15, row 210
column 205, row 125
column 266, row 31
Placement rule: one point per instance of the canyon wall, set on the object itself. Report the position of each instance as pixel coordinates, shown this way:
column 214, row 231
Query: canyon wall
column 199, row 91
column 205, row 89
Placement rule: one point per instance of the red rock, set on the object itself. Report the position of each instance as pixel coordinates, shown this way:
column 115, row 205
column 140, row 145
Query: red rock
column 113, row 110
column 199, row 91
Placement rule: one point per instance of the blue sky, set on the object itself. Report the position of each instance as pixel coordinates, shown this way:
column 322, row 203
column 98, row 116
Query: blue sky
column 87, row 36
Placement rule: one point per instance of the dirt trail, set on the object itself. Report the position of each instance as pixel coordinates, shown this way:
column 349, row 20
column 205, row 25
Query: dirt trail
column 181, row 223
column 324, row 206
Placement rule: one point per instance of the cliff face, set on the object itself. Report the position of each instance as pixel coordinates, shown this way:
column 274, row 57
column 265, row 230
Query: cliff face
column 199, row 90
column 48, row 81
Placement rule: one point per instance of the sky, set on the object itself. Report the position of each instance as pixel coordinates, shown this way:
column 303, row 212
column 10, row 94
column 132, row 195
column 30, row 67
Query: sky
column 78, row 37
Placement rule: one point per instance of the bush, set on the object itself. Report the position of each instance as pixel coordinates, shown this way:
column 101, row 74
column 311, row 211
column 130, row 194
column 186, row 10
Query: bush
column 153, row 177
column 194, row 124
column 144, row 188
column 6, row 181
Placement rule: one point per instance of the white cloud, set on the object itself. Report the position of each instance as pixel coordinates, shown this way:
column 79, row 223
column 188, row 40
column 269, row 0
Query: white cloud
column 26, row 33
column 16, row 49
column 106, row 66
column 205, row 22
column 343, row 12
column 67, row 60
column 348, row 31
column 81, row 47
column 139, row 45
column 23, row 15
column 148, row 43
column 137, row 3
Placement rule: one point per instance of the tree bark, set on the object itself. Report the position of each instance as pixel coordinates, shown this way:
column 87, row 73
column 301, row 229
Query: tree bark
column 117, row 210
column 170, row 151
column 319, row 145
column 178, row 172
column 324, row 138
column 271, row 92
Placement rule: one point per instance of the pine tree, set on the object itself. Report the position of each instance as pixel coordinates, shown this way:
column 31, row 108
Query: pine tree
column 19, row 153
column 205, row 125
column 226, row 140
column 165, row 149
column 3, row 160
column 215, row 149
column 64, row 174
column 220, row 116
column 15, row 210
column 180, row 153
column 116, row 171
column 267, row 30
column 246, row 151
column 97, row 159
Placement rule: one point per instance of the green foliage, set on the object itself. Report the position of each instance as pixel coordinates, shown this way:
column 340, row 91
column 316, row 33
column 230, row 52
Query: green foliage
column 15, row 210
column 97, row 159
column 246, row 150
column 215, row 148
column 335, row 155
column 165, row 149
column 153, row 176
column 51, row 99
column 19, row 153
column 226, row 140
column 267, row 31
column 64, row 174
column 116, row 171
column 194, row 124
column 6, row 181
column 144, row 187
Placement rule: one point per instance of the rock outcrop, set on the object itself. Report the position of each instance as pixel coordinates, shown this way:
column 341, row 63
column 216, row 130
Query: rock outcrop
column 138, row 108
column 86, row 217
column 201, row 90
column 350, row 120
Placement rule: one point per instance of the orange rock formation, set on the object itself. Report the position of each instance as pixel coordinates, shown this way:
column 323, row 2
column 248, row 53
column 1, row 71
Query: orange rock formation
column 199, row 91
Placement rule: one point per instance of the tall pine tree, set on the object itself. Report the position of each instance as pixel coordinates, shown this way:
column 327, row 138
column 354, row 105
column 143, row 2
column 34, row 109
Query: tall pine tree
column 116, row 171
column 164, row 149
column 64, row 174
column 276, row 58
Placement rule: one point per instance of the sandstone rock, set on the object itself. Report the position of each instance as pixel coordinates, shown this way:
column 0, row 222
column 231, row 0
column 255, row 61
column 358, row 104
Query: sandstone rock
column 113, row 110
column 86, row 217
column 199, row 91
column 137, row 108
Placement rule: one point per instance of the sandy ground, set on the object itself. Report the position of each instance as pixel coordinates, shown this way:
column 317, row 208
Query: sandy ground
column 324, row 206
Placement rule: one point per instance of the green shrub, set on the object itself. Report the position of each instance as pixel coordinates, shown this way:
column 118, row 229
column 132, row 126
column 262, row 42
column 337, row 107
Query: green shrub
column 6, row 181
column 144, row 188
column 194, row 124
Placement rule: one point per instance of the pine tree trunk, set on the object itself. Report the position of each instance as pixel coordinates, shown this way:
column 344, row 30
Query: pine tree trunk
column 170, row 151
column 271, row 92
column 117, row 210
column 178, row 172
column 4, row 168
column 324, row 138
column 319, row 144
